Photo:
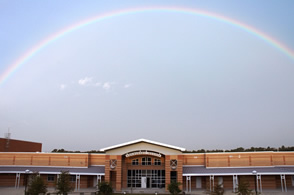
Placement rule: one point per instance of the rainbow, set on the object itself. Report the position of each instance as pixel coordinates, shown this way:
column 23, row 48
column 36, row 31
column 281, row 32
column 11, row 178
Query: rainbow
column 42, row 44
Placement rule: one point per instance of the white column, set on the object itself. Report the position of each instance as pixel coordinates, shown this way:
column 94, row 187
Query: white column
column 17, row 180
column 190, row 184
column 258, row 183
column 78, row 183
column 283, row 183
column 211, row 181
column 235, row 182
column 97, row 183
column 187, row 187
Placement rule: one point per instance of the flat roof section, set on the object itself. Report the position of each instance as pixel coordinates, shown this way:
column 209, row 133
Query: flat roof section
column 203, row 171
column 91, row 170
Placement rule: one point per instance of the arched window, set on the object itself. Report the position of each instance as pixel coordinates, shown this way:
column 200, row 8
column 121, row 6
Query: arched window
column 157, row 161
column 135, row 162
column 146, row 161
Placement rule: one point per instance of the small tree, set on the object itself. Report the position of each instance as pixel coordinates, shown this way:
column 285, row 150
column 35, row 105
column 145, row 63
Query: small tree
column 36, row 186
column 217, row 190
column 174, row 188
column 105, row 188
column 63, row 184
column 243, row 189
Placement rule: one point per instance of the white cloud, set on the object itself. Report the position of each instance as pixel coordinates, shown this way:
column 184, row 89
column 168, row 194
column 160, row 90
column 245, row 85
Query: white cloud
column 85, row 81
column 106, row 85
column 127, row 86
column 97, row 84
column 62, row 86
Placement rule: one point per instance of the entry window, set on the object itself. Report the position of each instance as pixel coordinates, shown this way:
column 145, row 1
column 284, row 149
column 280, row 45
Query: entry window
column 146, row 161
column 198, row 182
column 72, row 178
column 157, row 162
column 220, row 181
column 173, row 176
column 135, row 162
column 146, row 178
column 50, row 178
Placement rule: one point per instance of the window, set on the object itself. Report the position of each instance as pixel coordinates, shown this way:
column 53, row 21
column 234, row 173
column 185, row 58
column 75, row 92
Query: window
column 135, row 162
column 198, row 182
column 155, row 178
column 50, row 178
column 157, row 162
column 146, row 161
column 173, row 176
column 72, row 178
column 220, row 181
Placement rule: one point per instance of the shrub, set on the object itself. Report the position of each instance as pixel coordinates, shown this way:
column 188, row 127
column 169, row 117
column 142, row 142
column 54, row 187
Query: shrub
column 36, row 186
column 63, row 184
column 174, row 188
column 217, row 190
column 105, row 188
column 243, row 189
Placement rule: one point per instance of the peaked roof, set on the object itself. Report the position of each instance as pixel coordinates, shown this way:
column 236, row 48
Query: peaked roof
column 142, row 140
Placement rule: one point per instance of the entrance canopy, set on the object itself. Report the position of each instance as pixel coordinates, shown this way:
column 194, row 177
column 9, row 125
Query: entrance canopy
column 143, row 145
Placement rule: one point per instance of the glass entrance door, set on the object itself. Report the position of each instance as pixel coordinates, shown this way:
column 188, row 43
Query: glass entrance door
column 143, row 182
column 146, row 178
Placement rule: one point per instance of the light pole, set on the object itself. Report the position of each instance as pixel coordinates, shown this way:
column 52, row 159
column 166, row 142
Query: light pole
column 255, row 181
column 26, row 179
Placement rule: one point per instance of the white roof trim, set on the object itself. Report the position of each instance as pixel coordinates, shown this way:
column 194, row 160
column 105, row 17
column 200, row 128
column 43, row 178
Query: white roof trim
column 46, row 166
column 142, row 140
column 246, row 167
column 230, row 174
column 53, row 172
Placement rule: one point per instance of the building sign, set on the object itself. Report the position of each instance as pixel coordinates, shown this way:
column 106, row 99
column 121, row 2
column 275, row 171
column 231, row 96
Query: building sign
column 113, row 163
column 143, row 153
column 173, row 163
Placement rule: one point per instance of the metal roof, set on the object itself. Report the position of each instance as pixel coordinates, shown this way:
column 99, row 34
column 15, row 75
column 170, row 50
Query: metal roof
column 142, row 140
column 204, row 171
column 91, row 170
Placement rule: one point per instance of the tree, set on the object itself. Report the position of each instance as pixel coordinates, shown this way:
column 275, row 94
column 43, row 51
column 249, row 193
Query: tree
column 217, row 190
column 105, row 188
column 63, row 184
column 243, row 189
column 174, row 188
column 36, row 186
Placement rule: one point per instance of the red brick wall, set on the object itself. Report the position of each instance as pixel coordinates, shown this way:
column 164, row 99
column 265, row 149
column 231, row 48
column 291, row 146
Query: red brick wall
column 239, row 159
column 7, row 180
column 19, row 146
column 44, row 159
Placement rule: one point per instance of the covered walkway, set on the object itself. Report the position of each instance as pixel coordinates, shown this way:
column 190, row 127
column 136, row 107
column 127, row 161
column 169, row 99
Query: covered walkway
column 234, row 172
column 77, row 172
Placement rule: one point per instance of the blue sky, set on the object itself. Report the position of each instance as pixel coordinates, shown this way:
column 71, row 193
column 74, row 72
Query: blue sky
column 171, row 77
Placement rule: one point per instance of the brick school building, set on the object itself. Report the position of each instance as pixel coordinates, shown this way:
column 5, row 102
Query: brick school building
column 147, row 167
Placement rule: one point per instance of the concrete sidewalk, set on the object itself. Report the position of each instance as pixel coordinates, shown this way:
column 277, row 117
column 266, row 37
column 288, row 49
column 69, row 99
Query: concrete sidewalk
column 20, row 191
column 91, row 191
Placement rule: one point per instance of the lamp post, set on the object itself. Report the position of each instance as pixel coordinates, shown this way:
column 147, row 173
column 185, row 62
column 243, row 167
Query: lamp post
column 254, row 172
column 26, row 180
